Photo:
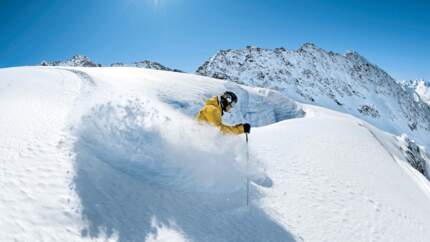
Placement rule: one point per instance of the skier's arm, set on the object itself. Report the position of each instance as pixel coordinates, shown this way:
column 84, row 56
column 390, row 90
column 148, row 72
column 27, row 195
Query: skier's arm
column 214, row 118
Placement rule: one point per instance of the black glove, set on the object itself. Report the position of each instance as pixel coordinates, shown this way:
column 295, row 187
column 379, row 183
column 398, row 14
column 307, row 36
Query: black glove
column 247, row 128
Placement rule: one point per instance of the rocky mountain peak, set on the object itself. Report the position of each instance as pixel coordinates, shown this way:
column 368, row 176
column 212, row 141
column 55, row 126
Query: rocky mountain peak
column 76, row 60
column 347, row 83
column 309, row 46
column 354, row 56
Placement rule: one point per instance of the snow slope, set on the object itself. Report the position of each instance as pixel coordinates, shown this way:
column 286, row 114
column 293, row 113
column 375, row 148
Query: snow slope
column 113, row 154
column 338, row 179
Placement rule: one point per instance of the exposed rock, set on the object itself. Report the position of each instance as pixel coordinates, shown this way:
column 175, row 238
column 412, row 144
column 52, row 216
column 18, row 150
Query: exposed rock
column 416, row 155
column 369, row 111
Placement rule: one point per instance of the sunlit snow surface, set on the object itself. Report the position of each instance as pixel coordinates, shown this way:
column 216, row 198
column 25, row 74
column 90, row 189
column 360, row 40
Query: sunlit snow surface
column 96, row 154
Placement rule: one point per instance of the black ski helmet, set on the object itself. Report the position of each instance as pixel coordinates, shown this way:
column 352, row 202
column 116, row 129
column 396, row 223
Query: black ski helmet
column 228, row 98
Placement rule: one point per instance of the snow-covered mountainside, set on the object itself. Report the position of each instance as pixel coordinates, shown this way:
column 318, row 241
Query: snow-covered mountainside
column 114, row 154
column 421, row 88
column 76, row 60
column 347, row 83
column 146, row 64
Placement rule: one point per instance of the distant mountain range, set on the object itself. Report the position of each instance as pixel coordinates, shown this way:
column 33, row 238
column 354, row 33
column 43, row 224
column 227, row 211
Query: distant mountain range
column 84, row 61
column 76, row 60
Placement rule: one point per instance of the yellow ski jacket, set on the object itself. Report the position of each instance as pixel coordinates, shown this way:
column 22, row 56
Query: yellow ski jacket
column 211, row 113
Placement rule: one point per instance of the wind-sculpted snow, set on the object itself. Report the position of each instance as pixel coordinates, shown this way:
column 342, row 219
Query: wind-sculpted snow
column 257, row 106
column 138, row 162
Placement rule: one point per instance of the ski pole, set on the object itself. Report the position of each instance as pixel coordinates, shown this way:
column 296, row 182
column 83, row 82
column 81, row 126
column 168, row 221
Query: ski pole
column 247, row 170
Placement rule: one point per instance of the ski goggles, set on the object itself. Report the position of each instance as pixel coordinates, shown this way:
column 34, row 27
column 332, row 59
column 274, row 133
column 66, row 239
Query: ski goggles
column 230, row 100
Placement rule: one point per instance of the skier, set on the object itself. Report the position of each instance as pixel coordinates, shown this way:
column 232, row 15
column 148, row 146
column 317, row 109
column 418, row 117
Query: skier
column 213, row 110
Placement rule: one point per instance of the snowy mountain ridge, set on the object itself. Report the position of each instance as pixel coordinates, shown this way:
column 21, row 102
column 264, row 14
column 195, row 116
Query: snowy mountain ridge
column 76, row 61
column 421, row 88
column 146, row 64
column 84, row 61
column 348, row 83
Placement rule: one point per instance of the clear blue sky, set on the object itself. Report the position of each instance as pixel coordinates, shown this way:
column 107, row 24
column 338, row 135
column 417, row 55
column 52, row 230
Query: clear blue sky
column 183, row 33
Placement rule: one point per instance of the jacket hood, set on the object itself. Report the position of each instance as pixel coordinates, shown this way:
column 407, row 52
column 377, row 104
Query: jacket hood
column 215, row 102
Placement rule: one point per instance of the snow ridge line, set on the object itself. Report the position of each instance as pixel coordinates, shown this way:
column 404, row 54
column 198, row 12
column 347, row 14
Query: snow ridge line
column 86, row 88
column 378, row 140
column 419, row 178
column 82, row 75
